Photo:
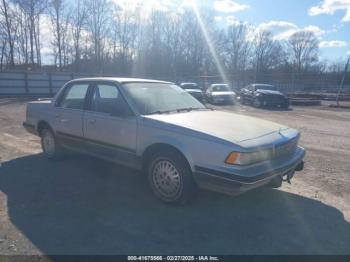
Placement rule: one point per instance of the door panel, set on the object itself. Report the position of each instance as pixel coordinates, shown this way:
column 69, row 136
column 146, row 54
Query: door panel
column 69, row 121
column 109, row 128
column 69, row 116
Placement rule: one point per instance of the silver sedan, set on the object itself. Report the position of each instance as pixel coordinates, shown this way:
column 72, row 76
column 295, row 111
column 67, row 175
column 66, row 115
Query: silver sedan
column 159, row 128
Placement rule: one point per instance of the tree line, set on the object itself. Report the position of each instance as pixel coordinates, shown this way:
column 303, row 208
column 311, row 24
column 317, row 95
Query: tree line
column 102, row 37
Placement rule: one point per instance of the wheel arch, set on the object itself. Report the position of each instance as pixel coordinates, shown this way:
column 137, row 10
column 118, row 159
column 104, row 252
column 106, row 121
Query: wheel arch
column 159, row 146
column 41, row 125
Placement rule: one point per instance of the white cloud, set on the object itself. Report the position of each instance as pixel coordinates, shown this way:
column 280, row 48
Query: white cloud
column 315, row 29
column 145, row 5
column 218, row 19
column 333, row 43
column 348, row 53
column 330, row 7
column 277, row 25
column 229, row 6
column 282, row 30
column 231, row 20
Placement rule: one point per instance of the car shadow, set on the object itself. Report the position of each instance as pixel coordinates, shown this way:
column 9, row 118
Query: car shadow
column 271, row 108
column 86, row 206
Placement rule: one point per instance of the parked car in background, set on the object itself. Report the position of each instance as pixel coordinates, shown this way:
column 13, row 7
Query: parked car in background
column 194, row 90
column 159, row 128
column 220, row 94
column 261, row 95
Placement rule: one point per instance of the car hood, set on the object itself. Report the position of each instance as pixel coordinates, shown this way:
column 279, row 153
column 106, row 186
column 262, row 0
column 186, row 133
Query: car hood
column 269, row 92
column 231, row 127
column 223, row 93
column 194, row 91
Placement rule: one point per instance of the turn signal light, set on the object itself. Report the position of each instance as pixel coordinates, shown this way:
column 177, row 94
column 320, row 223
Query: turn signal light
column 231, row 158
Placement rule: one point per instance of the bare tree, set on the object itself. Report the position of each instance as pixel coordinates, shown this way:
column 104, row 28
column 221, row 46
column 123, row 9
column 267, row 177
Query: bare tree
column 10, row 29
column 304, row 46
column 125, row 29
column 32, row 10
column 78, row 21
column 56, row 11
column 238, row 47
column 268, row 53
column 98, row 22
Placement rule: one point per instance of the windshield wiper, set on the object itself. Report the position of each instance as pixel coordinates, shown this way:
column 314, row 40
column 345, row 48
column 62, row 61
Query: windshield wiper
column 188, row 109
column 178, row 110
column 159, row 112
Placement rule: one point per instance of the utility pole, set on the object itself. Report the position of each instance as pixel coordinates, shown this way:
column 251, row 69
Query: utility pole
column 342, row 81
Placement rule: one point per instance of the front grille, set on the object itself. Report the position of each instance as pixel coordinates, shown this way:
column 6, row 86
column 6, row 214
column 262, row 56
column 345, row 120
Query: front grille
column 274, row 99
column 286, row 148
column 223, row 97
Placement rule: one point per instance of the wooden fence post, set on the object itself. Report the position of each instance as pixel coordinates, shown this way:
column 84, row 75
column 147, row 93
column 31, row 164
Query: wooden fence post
column 50, row 83
column 26, row 83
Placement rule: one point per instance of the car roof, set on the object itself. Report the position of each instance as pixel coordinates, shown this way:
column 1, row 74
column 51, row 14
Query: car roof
column 219, row 85
column 261, row 85
column 120, row 80
column 188, row 83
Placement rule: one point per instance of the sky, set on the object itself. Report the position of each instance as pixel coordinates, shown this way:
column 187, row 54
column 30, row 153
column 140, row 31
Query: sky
column 328, row 19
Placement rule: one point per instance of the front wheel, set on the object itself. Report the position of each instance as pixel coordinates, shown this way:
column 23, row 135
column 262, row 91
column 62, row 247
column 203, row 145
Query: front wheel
column 257, row 102
column 170, row 177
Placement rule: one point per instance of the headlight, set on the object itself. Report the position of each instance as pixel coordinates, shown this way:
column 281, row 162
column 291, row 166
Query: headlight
column 238, row 158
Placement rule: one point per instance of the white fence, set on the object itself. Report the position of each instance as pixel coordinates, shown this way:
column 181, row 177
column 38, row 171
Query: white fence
column 33, row 83
column 45, row 84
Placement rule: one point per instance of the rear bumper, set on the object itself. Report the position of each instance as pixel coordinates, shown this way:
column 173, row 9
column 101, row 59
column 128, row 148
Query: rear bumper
column 30, row 128
column 233, row 184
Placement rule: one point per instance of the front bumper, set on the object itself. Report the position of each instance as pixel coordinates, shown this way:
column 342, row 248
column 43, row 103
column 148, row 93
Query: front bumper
column 220, row 99
column 274, row 101
column 234, row 184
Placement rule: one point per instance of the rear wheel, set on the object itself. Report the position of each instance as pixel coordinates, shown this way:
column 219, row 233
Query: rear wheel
column 50, row 147
column 285, row 105
column 170, row 177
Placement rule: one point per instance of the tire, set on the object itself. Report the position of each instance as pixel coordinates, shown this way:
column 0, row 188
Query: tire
column 257, row 103
column 242, row 100
column 49, row 144
column 275, row 182
column 170, row 177
column 285, row 106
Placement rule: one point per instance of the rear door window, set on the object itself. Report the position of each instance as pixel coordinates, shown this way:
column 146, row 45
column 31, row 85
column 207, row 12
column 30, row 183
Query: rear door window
column 74, row 97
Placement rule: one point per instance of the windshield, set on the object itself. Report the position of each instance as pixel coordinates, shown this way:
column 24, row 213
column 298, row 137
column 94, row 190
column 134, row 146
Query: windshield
column 220, row 88
column 151, row 98
column 265, row 87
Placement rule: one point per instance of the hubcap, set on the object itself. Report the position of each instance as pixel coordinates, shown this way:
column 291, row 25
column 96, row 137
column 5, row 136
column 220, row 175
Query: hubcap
column 257, row 103
column 48, row 143
column 166, row 179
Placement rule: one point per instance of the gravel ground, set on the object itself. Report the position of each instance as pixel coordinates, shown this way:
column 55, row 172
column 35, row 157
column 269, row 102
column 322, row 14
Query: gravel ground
column 86, row 206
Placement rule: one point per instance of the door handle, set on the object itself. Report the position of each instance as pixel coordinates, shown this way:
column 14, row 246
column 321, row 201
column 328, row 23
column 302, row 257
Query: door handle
column 92, row 121
column 63, row 120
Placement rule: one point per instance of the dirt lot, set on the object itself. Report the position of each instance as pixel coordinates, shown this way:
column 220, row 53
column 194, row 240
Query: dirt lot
column 80, row 206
